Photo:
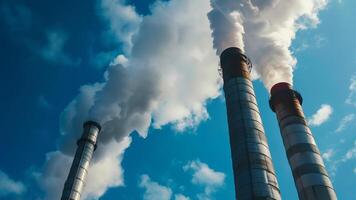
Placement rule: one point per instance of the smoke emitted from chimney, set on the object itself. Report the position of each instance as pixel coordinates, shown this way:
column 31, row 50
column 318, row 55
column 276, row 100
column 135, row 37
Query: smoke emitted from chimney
column 169, row 76
column 265, row 30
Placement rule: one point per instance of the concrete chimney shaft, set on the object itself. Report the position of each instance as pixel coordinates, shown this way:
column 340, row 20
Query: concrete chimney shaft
column 309, row 173
column 252, row 164
column 75, row 182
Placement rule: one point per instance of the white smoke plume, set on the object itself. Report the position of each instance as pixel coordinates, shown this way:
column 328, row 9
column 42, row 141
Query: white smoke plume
column 264, row 29
column 168, row 76
column 123, row 21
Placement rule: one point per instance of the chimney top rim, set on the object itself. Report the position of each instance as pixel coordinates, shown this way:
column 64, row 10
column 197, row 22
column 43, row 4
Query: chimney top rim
column 231, row 50
column 281, row 86
column 92, row 123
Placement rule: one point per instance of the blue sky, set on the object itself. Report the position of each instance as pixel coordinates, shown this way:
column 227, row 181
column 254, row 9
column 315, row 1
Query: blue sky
column 50, row 49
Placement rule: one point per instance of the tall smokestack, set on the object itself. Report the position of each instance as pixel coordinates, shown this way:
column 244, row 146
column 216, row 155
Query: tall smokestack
column 75, row 182
column 309, row 173
column 252, row 164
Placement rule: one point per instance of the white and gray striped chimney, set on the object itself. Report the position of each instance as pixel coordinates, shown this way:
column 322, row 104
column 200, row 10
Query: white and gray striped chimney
column 253, row 169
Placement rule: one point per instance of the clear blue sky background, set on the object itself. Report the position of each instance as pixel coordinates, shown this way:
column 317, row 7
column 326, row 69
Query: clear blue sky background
column 34, row 91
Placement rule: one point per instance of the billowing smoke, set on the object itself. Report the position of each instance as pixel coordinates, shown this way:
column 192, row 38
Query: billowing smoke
column 166, row 78
column 264, row 29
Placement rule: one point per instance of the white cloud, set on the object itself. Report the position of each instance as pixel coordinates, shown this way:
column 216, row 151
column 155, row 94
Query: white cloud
column 181, row 197
column 321, row 115
column 153, row 190
column 355, row 170
column 344, row 122
column 156, row 191
column 204, row 176
column 352, row 91
column 9, row 186
column 54, row 52
column 328, row 154
column 351, row 153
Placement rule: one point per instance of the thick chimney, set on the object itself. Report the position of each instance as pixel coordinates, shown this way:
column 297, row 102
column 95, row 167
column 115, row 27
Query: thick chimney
column 252, row 164
column 309, row 173
column 75, row 182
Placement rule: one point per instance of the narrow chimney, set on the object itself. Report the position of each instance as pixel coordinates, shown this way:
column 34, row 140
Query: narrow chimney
column 309, row 173
column 75, row 182
column 252, row 164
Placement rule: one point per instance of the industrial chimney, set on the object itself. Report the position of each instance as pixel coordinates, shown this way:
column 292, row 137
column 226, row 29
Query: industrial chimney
column 75, row 182
column 309, row 173
column 252, row 164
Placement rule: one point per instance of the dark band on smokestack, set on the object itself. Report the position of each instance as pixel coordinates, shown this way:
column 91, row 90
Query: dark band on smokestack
column 254, row 174
column 75, row 182
column 234, row 64
column 309, row 173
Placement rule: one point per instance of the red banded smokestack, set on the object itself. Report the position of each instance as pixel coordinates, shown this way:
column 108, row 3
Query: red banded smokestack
column 73, row 187
column 309, row 173
column 252, row 164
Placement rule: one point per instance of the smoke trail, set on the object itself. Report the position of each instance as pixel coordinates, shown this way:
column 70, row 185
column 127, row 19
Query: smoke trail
column 168, row 77
column 264, row 29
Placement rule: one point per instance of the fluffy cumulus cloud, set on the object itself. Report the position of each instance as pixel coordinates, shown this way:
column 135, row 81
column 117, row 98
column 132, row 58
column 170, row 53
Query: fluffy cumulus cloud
column 264, row 30
column 345, row 121
column 9, row 186
column 321, row 115
column 202, row 176
column 166, row 77
column 205, row 176
column 352, row 91
column 153, row 190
